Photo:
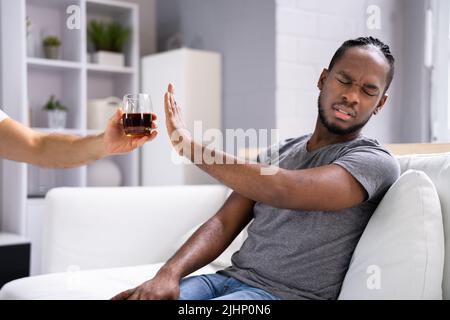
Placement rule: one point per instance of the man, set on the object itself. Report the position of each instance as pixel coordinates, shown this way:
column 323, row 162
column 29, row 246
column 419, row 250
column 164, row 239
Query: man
column 20, row 143
column 309, row 215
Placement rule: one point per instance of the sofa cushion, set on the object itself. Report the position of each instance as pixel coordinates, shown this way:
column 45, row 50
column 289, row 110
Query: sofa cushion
column 437, row 167
column 99, row 284
column 97, row 228
column 401, row 252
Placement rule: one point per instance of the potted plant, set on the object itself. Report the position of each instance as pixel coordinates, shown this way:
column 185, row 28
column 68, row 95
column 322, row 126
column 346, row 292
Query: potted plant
column 56, row 113
column 108, row 41
column 51, row 47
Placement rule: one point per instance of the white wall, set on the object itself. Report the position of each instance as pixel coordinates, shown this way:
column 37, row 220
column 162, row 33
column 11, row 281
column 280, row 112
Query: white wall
column 307, row 35
column 244, row 33
column 147, row 25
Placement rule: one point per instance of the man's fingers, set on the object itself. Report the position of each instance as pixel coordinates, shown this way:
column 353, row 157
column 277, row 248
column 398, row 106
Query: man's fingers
column 177, row 106
column 173, row 103
column 140, row 142
column 117, row 117
column 123, row 295
column 167, row 104
column 152, row 135
column 145, row 139
column 154, row 116
column 134, row 296
column 154, row 124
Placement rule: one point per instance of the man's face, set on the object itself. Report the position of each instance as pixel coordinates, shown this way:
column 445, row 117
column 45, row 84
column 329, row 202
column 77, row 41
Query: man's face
column 353, row 90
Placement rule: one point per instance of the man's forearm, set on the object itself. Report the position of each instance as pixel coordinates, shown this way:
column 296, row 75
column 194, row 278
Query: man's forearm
column 67, row 151
column 205, row 245
column 245, row 178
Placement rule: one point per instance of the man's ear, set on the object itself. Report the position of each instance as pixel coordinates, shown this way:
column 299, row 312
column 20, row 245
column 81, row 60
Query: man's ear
column 323, row 77
column 380, row 104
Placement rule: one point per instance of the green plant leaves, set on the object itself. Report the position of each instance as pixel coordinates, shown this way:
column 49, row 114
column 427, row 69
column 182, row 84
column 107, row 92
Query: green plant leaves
column 108, row 36
column 53, row 104
column 51, row 41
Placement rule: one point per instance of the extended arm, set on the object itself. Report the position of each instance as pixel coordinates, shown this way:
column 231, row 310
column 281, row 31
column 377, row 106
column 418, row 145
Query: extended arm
column 206, row 244
column 326, row 188
column 20, row 143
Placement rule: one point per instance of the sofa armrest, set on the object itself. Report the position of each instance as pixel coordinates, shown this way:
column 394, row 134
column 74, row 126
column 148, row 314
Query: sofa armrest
column 90, row 228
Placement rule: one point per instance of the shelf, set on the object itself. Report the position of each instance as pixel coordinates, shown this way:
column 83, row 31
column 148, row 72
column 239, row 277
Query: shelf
column 53, row 64
column 41, row 180
column 12, row 239
column 72, row 79
column 57, row 4
column 66, row 84
column 49, row 18
column 110, row 69
column 108, row 6
column 125, row 14
column 101, row 85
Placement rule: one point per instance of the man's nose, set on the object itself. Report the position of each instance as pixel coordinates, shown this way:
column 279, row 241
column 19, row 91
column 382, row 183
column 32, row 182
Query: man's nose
column 351, row 94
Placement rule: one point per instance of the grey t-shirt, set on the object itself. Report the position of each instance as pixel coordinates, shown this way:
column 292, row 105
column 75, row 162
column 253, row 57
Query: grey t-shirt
column 296, row 254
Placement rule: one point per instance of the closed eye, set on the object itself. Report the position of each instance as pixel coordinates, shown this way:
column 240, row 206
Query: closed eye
column 371, row 92
column 343, row 81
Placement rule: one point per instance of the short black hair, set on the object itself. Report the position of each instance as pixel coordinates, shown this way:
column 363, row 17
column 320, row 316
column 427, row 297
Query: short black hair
column 366, row 42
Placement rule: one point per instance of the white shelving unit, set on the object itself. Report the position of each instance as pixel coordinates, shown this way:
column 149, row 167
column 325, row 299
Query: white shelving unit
column 29, row 80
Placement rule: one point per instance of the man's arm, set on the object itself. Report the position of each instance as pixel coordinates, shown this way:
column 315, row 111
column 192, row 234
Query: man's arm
column 205, row 245
column 20, row 143
column 326, row 188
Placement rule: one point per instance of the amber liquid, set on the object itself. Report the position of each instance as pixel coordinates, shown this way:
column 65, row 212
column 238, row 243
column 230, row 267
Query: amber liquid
column 137, row 124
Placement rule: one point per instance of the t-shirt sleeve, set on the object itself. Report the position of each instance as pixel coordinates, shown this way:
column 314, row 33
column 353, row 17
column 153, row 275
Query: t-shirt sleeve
column 3, row 116
column 264, row 156
column 373, row 167
column 271, row 155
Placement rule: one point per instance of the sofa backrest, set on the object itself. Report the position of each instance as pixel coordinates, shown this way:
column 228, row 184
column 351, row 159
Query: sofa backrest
column 437, row 167
column 90, row 228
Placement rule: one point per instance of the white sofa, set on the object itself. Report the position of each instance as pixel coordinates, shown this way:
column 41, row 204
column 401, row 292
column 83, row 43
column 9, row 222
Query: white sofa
column 101, row 241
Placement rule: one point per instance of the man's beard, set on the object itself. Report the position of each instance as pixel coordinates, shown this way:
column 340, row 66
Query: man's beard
column 335, row 129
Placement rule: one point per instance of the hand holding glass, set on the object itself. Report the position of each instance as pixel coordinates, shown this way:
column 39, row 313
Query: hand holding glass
column 137, row 117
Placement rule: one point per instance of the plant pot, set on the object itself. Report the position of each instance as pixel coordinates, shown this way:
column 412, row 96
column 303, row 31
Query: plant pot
column 108, row 58
column 57, row 119
column 51, row 52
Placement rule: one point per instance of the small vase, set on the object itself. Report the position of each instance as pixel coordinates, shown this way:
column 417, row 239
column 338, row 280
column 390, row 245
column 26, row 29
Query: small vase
column 30, row 45
column 51, row 52
column 57, row 119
